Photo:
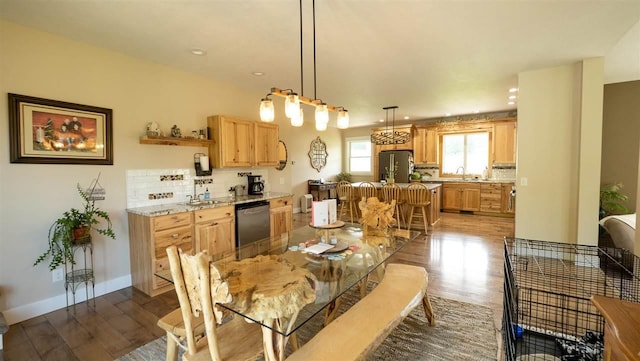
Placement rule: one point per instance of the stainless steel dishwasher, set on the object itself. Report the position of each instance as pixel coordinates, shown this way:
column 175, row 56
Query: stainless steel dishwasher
column 252, row 224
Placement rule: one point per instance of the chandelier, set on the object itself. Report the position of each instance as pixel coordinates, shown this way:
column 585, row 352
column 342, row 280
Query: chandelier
column 293, row 101
column 390, row 137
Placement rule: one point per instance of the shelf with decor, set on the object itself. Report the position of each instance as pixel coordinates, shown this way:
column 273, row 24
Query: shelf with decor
column 185, row 142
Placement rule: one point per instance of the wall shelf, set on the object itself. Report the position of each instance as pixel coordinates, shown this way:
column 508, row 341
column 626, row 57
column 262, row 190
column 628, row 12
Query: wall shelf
column 185, row 142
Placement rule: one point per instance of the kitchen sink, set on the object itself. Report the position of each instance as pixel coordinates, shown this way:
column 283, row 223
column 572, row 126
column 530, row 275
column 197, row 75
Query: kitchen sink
column 202, row 202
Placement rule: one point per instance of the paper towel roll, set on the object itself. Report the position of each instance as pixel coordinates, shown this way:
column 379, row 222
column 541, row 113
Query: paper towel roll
column 204, row 162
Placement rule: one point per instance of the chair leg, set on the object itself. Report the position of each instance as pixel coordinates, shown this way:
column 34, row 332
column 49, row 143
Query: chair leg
column 428, row 310
column 410, row 218
column 425, row 220
column 172, row 348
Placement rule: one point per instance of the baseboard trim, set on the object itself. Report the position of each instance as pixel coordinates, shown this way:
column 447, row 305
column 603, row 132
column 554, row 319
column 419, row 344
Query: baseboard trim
column 25, row 312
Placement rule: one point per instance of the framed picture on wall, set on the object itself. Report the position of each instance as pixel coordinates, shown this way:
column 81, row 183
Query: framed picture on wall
column 56, row 132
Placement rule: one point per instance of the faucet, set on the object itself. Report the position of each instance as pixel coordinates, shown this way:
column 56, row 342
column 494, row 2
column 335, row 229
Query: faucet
column 463, row 175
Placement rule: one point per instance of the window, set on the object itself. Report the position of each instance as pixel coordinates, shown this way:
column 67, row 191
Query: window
column 468, row 150
column 359, row 155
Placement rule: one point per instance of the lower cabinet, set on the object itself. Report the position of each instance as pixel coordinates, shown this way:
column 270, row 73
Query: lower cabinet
column 215, row 232
column 149, row 238
column 280, row 216
column 508, row 201
column 461, row 197
column 435, row 204
column 491, row 197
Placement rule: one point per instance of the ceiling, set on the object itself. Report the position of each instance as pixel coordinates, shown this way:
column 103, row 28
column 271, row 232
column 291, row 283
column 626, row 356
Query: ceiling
column 430, row 58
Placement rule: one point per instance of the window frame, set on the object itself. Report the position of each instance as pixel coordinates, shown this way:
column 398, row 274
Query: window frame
column 348, row 142
column 465, row 133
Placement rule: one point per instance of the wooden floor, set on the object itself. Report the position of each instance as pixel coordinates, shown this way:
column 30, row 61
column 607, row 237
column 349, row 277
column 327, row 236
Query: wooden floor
column 463, row 255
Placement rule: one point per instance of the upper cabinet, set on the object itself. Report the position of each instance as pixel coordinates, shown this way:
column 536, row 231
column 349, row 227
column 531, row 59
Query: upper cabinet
column 425, row 145
column 504, row 143
column 242, row 143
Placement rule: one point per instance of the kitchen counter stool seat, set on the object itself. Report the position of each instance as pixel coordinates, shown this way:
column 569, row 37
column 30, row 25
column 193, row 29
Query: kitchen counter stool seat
column 347, row 198
column 392, row 192
column 418, row 196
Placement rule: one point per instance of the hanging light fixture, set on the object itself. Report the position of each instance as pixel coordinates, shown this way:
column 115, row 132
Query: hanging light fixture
column 390, row 137
column 293, row 101
column 343, row 118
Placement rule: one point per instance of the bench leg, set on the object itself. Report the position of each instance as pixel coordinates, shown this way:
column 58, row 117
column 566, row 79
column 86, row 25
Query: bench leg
column 428, row 310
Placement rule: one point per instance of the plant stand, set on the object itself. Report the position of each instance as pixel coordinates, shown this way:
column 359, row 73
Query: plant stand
column 80, row 273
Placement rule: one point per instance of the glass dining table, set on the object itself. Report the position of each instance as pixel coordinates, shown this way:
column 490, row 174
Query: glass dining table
column 283, row 282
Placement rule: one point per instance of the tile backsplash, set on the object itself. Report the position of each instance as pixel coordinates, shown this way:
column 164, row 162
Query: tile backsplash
column 151, row 187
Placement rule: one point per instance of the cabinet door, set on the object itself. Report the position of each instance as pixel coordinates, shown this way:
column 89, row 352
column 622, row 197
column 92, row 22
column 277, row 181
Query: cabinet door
column 451, row 197
column 216, row 237
column 233, row 139
column 504, row 142
column 266, row 148
column 419, row 146
column 281, row 220
column 471, row 199
column 431, row 146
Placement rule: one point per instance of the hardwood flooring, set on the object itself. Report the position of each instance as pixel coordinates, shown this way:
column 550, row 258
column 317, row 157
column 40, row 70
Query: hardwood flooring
column 462, row 253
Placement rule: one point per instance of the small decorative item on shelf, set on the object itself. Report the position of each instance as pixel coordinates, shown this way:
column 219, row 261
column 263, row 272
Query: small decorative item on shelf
column 153, row 129
column 74, row 228
column 175, row 131
column 377, row 218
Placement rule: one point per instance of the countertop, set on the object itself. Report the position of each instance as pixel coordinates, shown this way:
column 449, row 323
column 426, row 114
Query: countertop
column 378, row 185
column 172, row 208
column 468, row 180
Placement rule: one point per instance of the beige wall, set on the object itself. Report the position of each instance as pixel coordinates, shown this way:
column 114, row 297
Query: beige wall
column 556, row 127
column 621, row 137
column 33, row 196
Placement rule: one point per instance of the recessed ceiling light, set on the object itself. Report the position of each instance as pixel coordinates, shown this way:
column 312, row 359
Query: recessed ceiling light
column 381, row 120
column 258, row 73
column 511, row 103
column 447, row 114
column 476, row 111
column 512, row 97
column 199, row 52
column 406, row 118
column 513, row 90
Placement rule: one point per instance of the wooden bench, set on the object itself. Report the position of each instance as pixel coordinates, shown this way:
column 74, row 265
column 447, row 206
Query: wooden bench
column 359, row 331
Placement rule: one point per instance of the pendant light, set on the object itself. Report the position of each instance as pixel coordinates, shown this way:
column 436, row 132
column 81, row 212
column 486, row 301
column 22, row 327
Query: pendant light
column 293, row 101
column 390, row 137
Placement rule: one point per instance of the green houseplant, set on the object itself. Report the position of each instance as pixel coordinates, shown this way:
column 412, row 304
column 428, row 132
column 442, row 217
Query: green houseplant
column 612, row 200
column 72, row 228
column 343, row 176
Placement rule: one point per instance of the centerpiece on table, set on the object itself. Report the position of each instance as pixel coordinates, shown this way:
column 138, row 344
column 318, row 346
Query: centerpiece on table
column 377, row 219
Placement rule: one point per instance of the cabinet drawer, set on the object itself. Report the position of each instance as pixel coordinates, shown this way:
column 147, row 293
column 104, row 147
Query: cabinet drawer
column 171, row 220
column 206, row 215
column 491, row 188
column 180, row 237
column 280, row 202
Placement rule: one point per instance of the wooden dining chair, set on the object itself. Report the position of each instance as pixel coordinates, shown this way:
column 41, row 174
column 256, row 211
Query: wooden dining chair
column 367, row 190
column 418, row 196
column 200, row 289
column 347, row 198
column 173, row 324
column 392, row 192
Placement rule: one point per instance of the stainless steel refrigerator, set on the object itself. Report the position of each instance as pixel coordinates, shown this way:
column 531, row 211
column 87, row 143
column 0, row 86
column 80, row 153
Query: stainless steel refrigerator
column 404, row 161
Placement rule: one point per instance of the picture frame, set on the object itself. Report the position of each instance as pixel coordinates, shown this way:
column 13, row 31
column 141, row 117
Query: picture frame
column 49, row 131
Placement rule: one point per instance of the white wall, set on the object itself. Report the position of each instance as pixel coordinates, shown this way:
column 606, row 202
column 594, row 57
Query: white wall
column 559, row 134
column 34, row 195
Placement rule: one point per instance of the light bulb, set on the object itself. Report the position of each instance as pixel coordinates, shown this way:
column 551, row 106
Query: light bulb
column 267, row 112
column 321, row 126
column 298, row 120
column 343, row 119
column 292, row 105
column 322, row 114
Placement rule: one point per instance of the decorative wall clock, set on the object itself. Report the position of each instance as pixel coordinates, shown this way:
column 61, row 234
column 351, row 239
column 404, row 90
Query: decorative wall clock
column 318, row 154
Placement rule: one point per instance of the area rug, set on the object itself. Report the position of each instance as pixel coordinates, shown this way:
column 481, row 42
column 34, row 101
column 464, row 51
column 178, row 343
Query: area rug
column 463, row 331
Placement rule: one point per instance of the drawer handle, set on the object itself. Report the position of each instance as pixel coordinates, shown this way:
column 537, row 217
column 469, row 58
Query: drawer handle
column 175, row 236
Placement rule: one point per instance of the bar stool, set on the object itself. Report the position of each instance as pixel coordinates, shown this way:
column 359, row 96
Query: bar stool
column 394, row 192
column 347, row 197
column 418, row 196
column 367, row 190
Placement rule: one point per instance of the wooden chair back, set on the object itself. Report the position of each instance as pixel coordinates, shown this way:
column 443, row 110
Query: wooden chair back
column 345, row 191
column 367, row 190
column 194, row 279
column 391, row 192
column 417, row 194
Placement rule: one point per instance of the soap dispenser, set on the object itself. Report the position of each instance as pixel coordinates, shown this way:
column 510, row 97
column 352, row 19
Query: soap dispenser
column 207, row 196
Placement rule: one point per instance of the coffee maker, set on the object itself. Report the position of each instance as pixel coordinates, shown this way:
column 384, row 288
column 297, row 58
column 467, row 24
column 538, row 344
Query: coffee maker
column 256, row 186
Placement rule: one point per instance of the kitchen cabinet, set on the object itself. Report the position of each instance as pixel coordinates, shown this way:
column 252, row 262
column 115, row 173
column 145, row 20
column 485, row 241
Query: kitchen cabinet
column 215, row 231
column 280, row 216
column 425, row 145
column 491, row 197
column 508, row 202
column 461, row 196
column 242, row 143
column 149, row 238
column 504, row 142
column 435, row 204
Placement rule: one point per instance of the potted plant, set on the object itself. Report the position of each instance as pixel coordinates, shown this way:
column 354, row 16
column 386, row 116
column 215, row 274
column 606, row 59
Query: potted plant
column 391, row 173
column 74, row 228
column 611, row 200
column 343, row 176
